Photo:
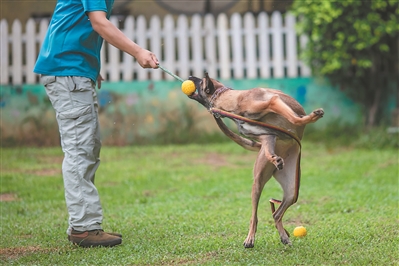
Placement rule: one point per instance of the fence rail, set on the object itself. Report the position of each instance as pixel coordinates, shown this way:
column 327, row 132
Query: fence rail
column 240, row 46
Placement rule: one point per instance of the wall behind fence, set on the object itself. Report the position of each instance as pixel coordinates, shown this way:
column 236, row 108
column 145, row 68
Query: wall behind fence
column 240, row 46
column 152, row 111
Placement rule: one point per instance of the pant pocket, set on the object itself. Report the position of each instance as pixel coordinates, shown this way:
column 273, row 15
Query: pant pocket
column 45, row 80
column 76, row 112
column 83, row 91
column 77, row 126
column 82, row 83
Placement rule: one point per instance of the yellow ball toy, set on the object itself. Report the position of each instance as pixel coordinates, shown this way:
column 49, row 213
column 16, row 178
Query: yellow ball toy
column 188, row 87
column 300, row 231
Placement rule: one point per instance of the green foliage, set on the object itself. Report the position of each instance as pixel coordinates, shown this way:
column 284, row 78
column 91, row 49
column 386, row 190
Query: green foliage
column 191, row 205
column 179, row 127
column 337, row 134
column 355, row 45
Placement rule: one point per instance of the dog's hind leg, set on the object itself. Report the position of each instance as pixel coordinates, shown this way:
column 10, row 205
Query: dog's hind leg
column 276, row 105
column 289, row 179
column 263, row 171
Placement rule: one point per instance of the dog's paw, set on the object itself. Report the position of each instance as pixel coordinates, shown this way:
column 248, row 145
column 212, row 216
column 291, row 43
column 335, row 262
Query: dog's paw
column 318, row 113
column 285, row 238
column 286, row 241
column 249, row 242
column 278, row 162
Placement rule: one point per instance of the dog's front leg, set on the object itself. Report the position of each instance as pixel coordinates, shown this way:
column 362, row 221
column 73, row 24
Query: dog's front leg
column 263, row 171
column 269, row 142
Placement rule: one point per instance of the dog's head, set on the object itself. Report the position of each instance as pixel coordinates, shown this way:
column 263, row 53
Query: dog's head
column 204, row 89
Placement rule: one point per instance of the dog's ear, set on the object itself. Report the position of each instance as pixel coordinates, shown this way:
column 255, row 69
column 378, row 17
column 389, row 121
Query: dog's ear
column 210, row 88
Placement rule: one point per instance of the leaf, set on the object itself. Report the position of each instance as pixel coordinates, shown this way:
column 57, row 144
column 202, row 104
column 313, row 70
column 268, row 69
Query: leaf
column 384, row 47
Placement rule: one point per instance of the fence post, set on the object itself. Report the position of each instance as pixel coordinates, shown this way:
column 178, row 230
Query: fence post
column 210, row 45
column 250, row 46
column 277, row 36
column 156, row 39
column 264, row 45
column 291, row 46
column 237, row 46
column 182, row 48
column 4, row 63
column 169, row 46
column 223, row 46
column 30, row 51
column 196, row 44
column 128, row 67
column 16, row 52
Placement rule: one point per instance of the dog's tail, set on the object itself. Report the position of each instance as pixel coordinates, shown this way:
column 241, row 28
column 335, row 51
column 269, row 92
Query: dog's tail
column 243, row 142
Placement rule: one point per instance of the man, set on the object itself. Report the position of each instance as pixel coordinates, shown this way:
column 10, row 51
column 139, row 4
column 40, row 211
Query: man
column 69, row 64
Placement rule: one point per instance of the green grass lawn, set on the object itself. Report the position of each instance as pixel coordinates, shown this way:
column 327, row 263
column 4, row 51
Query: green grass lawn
column 191, row 205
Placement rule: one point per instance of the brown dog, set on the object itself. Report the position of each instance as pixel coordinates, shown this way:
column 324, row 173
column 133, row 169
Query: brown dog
column 251, row 110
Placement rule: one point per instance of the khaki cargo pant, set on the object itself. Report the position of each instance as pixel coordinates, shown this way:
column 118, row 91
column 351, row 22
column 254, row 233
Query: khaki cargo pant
column 75, row 102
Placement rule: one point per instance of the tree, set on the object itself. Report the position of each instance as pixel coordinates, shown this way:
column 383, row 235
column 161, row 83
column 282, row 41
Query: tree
column 355, row 45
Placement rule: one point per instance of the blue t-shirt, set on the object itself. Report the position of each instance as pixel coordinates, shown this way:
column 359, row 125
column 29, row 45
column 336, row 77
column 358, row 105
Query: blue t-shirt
column 71, row 46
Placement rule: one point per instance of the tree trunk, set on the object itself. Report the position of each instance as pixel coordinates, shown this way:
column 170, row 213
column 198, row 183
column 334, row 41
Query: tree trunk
column 377, row 85
column 372, row 114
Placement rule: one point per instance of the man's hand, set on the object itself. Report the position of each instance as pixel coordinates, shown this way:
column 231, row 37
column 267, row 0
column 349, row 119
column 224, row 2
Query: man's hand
column 99, row 80
column 147, row 59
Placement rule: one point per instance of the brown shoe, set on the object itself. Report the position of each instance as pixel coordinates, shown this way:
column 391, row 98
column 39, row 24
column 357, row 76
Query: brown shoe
column 94, row 238
column 114, row 234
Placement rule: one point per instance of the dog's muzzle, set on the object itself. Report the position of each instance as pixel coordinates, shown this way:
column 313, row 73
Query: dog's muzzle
column 197, row 95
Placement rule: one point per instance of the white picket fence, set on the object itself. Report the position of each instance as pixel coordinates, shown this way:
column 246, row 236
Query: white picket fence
column 240, row 46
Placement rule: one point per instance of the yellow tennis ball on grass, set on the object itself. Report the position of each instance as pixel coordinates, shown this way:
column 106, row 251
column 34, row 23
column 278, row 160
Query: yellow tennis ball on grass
column 188, row 87
column 300, row 231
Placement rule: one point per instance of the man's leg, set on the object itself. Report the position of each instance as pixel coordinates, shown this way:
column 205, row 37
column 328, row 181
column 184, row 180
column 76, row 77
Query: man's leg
column 75, row 102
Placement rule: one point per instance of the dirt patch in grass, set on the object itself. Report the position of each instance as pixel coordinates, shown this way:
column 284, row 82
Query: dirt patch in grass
column 16, row 252
column 38, row 172
column 50, row 166
column 51, row 159
column 388, row 163
column 47, row 172
column 4, row 197
column 214, row 159
column 220, row 160
column 209, row 256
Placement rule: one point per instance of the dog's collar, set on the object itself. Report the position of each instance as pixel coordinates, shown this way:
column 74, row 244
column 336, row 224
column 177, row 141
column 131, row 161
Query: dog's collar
column 217, row 93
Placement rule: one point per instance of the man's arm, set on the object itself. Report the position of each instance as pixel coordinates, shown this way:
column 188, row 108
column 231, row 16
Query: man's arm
column 114, row 36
